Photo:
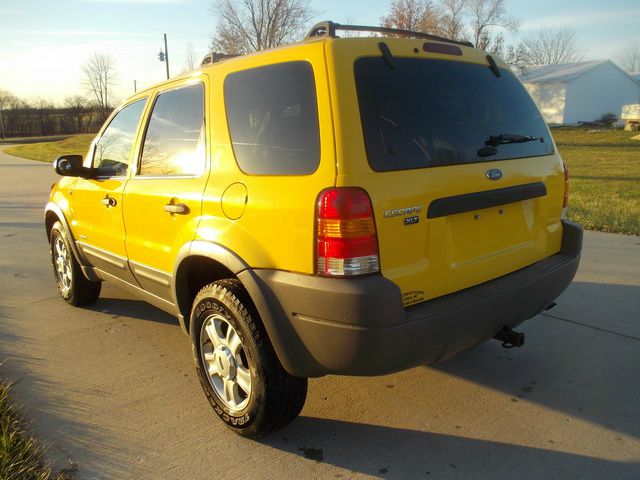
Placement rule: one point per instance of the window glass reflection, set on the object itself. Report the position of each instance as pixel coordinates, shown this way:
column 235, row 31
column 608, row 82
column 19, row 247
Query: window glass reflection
column 174, row 141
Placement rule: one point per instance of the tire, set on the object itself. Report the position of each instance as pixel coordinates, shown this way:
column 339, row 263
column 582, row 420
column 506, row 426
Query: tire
column 73, row 286
column 237, row 367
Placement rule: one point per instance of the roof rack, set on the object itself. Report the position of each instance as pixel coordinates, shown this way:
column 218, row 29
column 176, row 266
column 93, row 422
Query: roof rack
column 328, row 29
column 214, row 57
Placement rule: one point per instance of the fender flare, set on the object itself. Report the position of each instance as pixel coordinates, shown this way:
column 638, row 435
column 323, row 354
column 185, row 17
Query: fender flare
column 85, row 266
column 273, row 317
column 201, row 248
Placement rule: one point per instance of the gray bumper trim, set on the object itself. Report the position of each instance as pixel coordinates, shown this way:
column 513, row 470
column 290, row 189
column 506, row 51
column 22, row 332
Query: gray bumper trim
column 359, row 327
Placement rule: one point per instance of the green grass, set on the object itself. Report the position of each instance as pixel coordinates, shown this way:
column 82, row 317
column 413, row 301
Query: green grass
column 21, row 455
column 588, row 137
column 604, row 171
column 49, row 151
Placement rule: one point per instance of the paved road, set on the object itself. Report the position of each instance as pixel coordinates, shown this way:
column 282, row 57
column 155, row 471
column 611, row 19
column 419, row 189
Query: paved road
column 112, row 388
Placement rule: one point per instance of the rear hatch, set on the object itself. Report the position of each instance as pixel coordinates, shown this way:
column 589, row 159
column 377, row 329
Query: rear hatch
column 460, row 166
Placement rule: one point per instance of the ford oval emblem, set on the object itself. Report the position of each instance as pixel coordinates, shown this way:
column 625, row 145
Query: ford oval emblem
column 494, row 174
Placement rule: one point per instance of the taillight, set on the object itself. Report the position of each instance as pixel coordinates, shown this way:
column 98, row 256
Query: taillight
column 565, row 199
column 346, row 238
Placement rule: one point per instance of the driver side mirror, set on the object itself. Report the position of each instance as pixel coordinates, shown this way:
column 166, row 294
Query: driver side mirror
column 71, row 166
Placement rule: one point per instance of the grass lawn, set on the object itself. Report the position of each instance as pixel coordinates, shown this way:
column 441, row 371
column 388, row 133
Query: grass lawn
column 604, row 172
column 604, row 167
column 49, row 151
column 20, row 454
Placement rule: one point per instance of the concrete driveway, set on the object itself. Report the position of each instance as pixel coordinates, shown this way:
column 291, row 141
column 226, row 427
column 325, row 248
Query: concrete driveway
column 112, row 388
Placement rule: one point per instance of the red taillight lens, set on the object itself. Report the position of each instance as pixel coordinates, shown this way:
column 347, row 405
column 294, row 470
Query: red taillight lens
column 346, row 238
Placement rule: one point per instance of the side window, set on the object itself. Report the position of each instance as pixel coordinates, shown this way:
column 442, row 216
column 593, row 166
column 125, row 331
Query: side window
column 272, row 114
column 174, row 141
column 113, row 150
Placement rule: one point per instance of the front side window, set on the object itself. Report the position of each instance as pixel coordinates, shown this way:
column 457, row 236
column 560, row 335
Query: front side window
column 174, row 142
column 272, row 114
column 431, row 113
column 113, row 150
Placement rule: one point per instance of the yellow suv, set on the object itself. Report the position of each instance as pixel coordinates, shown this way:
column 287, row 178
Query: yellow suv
column 351, row 206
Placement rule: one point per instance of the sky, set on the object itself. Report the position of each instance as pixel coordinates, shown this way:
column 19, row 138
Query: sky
column 44, row 43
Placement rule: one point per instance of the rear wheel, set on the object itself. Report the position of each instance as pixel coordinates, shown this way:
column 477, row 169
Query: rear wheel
column 73, row 286
column 237, row 366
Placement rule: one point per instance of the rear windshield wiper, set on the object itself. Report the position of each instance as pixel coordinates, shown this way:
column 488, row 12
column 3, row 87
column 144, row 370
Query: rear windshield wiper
column 503, row 139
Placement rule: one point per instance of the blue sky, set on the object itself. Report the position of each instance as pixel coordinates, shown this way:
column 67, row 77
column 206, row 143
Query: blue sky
column 44, row 43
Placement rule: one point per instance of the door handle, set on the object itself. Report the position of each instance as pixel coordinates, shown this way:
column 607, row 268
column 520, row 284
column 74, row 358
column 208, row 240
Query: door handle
column 108, row 201
column 179, row 208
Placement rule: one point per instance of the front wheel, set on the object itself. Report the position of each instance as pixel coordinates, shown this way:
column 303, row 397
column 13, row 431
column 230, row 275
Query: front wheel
column 73, row 286
column 237, row 366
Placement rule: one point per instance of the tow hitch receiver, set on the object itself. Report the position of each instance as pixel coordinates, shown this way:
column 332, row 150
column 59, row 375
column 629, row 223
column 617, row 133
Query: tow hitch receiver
column 510, row 338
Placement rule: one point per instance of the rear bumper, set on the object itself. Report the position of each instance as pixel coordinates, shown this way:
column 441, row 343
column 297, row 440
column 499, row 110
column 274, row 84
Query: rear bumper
column 358, row 326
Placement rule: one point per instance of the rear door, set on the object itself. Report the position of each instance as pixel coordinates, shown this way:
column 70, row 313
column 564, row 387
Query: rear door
column 163, row 201
column 459, row 164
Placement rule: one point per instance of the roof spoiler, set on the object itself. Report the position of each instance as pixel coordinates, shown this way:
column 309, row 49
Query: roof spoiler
column 328, row 29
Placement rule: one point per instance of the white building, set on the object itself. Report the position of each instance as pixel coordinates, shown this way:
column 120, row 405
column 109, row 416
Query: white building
column 580, row 92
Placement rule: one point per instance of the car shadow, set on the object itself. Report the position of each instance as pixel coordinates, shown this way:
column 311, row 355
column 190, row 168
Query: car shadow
column 400, row 453
column 582, row 367
column 134, row 309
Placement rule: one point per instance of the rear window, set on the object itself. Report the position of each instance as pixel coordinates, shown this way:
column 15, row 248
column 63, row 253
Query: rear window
column 429, row 113
column 273, row 119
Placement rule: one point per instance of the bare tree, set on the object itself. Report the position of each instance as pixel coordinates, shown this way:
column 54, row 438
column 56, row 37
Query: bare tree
column 77, row 106
column 6, row 99
column 190, row 57
column 486, row 17
column 630, row 58
column 452, row 19
column 246, row 26
column 548, row 46
column 100, row 74
column 44, row 110
column 415, row 15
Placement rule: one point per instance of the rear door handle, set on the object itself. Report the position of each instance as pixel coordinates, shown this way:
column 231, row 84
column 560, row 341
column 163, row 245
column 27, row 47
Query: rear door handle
column 108, row 201
column 179, row 208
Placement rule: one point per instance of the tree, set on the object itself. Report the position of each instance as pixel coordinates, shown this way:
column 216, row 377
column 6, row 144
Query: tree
column 415, row 15
column 7, row 99
column 246, row 26
column 452, row 19
column 547, row 46
column 100, row 74
column 486, row 16
column 630, row 58
column 43, row 111
column 77, row 106
column 190, row 56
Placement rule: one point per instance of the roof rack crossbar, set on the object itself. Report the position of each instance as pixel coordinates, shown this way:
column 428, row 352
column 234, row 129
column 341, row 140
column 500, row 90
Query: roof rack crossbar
column 215, row 57
column 328, row 29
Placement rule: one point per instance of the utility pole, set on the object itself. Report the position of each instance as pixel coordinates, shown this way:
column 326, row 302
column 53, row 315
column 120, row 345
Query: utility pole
column 166, row 55
column 1, row 126
column 135, row 86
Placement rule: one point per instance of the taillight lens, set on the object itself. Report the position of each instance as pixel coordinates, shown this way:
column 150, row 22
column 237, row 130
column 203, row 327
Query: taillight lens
column 347, row 243
column 565, row 199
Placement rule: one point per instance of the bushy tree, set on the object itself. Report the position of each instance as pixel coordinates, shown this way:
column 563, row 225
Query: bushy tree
column 246, row 26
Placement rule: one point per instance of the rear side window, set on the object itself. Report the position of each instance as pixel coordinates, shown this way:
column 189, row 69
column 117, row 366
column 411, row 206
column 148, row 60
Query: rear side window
column 112, row 152
column 273, row 119
column 174, row 142
column 429, row 113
